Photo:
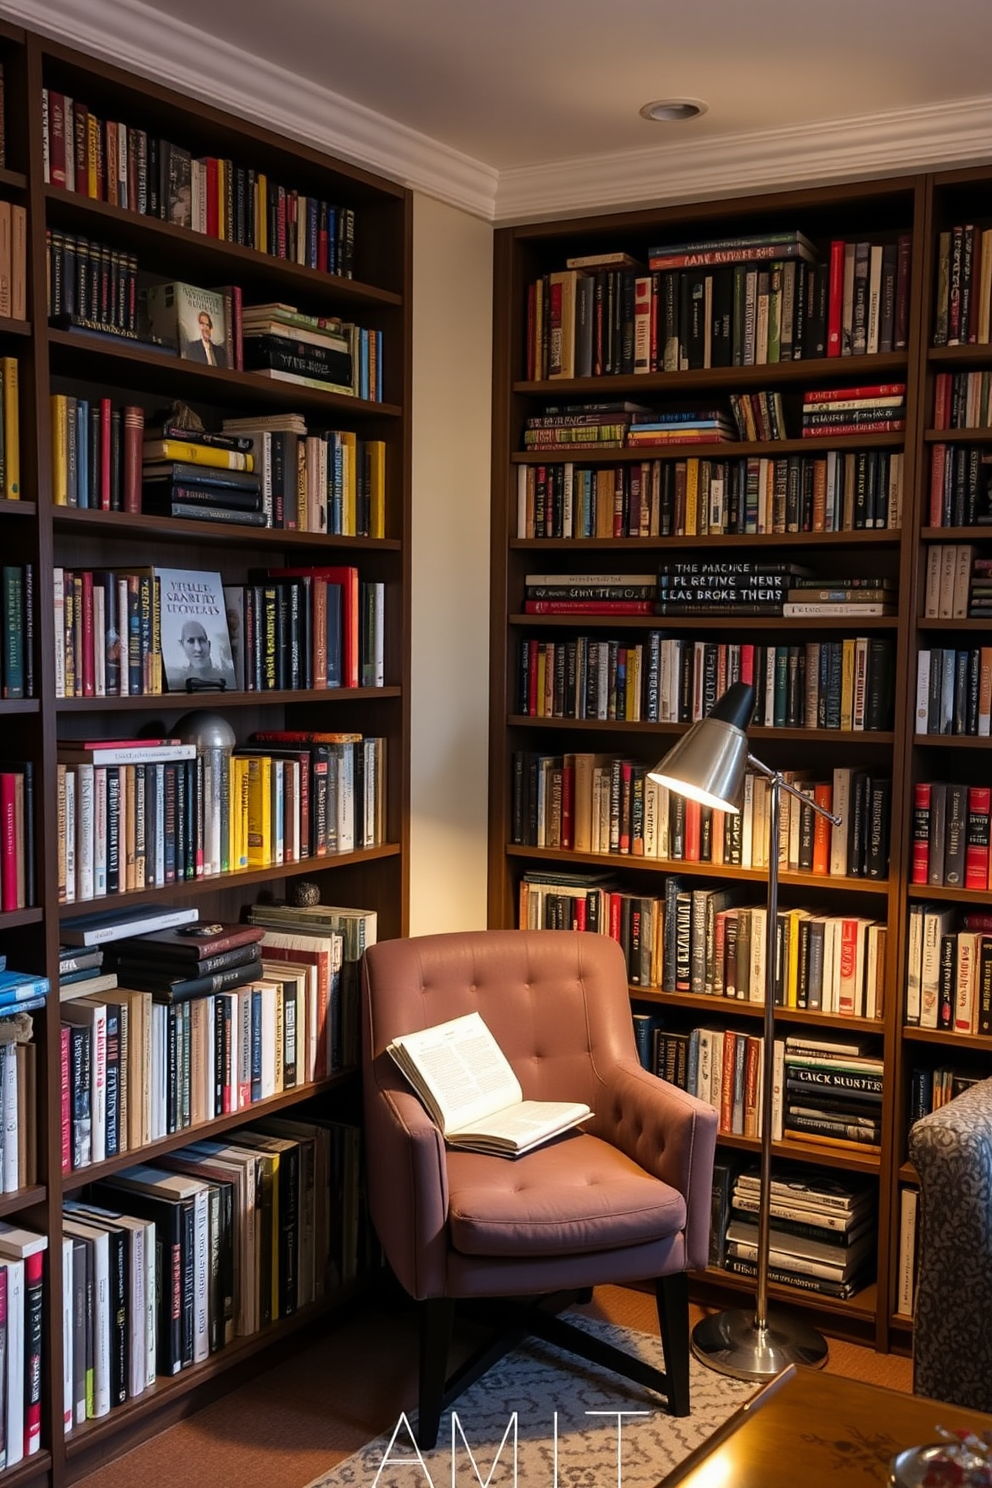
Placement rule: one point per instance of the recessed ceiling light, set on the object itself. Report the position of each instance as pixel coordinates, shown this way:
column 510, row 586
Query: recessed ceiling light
column 671, row 110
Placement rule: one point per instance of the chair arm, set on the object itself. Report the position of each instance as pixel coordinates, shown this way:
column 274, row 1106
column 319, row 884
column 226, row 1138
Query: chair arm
column 408, row 1189
column 671, row 1135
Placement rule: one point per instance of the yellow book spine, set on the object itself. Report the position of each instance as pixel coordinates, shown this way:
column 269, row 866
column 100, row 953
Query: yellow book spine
column 349, row 483
column 221, row 198
column 847, row 685
column 691, row 497
column 259, row 811
column 197, row 454
column 92, row 156
column 11, row 430
column 60, row 450
column 376, row 449
column 262, row 215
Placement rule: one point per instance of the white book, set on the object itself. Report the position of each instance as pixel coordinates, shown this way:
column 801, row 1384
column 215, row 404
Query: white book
column 70, row 837
column 931, row 592
column 93, row 1015
column 98, row 1243
column 99, row 833
column 140, row 1244
column 99, row 641
column 909, row 1199
column 268, row 1034
column 14, row 1413
column 948, row 569
column 922, row 716
column 839, row 834
column 914, row 963
column 160, row 1014
column 11, row 1176
column 85, row 823
column 468, row 1085
column 936, row 924
column 964, row 554
column 58, row 600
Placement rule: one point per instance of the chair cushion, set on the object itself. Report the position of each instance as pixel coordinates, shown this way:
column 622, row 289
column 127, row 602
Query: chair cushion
column 575, row 1195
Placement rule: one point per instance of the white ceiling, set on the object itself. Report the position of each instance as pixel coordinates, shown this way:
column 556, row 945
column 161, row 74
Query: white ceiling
column 493, row 102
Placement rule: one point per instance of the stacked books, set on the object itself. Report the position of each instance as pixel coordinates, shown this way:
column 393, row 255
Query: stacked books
column 823, row 1230
column 847, row 595
column 590, row 594
column 710, row 425
column 81, row 972
column 188, row 961
column 201, row 476
column 759, row 416
column 21, row 991
column 747, row 248
column 282, row 343
column 739, row 586
column 980, row 591
column 832, row 1094
column 579, row 425
column 878, row 409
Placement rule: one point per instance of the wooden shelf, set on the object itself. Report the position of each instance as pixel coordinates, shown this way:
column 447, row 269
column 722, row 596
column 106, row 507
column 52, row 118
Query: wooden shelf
column 128, row 525
column 962, row 357
column 959, row 624
column 132, row 364
column 851, row 624
column 19, row 705
column 816, row 372
column 10, row 327
column 809, row 1152
column 861, row 1305
column 15, row 180
column 756, row 731
column 17, row 508
column 628, row 863
column 962, row 896
column 734, row 1007
column 181, row 702
column 591, row 454
column 958, row 436
column 950, row 741
column 978, row 533
column 947, row 1039
column 246, row 876
column 94, row 1172
column 22, row 1198
column 881, row 537
column 13, row 918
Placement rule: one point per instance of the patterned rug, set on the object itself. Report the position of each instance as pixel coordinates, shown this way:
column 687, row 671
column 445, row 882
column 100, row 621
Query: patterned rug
column 565, row 1409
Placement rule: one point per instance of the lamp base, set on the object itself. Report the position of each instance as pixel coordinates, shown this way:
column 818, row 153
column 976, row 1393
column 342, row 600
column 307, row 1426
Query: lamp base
column 732, row 1343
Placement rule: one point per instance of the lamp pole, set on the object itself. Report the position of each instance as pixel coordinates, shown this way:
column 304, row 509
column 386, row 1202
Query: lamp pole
column 758, row 1346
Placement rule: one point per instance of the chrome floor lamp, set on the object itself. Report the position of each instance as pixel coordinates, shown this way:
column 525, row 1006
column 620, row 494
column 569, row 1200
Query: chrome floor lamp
column 708, row 765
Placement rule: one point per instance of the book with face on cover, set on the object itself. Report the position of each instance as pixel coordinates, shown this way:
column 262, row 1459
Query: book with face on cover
column 467, row 1084
column 196, row 643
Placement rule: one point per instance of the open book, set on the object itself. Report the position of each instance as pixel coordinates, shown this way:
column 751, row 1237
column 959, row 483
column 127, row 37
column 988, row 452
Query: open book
column 465, row 1080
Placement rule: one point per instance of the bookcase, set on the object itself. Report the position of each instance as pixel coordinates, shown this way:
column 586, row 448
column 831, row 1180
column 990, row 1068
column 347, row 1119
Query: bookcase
column 895, row 216
column 374, row 292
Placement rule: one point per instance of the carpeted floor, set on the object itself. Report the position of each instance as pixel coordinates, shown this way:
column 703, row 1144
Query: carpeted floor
column 291, row 1424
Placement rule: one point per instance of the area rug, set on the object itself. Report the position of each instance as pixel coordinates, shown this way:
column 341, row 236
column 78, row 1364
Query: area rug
column 541, row 1418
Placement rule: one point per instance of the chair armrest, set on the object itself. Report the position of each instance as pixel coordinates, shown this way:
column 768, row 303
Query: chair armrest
column 671, row 1135
column 408, row 1188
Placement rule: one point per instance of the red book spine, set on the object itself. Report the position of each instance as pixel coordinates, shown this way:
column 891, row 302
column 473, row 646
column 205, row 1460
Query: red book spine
column 134, row 433
column 877, row 426
column 847, row 998
column 693, row 822
column 568, row 807
column 106, row 445
column 56, row 138
column 33, row 1289
column 87, row 646
column 239, row 340
column 835, row 298
column 79, row 148
column 533, row 704
column 976, row 853
column 66, row 1109
column 581, row 918
column 900, row 327
column 727, row 1088
column 8, row 842
column 844, row 394
column 938, row 462
column 588, row 607
column 212, row 213
column 747, row 663
column 942, row 400
column 921, row 834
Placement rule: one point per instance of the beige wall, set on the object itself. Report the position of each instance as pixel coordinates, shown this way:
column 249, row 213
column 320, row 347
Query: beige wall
column 452, row 379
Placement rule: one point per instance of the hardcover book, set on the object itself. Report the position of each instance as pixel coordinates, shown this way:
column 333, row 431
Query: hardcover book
column 196, row 643
column 192, row 320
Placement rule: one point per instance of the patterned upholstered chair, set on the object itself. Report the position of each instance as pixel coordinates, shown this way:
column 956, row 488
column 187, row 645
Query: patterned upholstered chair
column 952, row 1341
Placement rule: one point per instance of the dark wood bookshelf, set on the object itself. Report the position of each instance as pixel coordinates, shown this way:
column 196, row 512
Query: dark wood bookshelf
column 858, row 211
column 52, row 359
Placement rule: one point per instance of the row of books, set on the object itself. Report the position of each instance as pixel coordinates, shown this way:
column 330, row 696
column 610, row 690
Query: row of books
column 959, row 486
column 22, row 1288
column 96, row 453
column 711, row 941
column 698, row 497
column 13, row 260
column 880, row 409
column 134, row 816
column 699, row 305
column 166, row 1265
column 949, row 969
column 952, row 573
column 823, row 1232
column 10, row 426
column 606, row 804
column 951, row 833
column 92, row 286
column 961, row 400
column 963, row 295
column 17, row 630
column 929, row 1089
column 107, row 160
column 954, row 691
column 675, row 679
column 132, row 632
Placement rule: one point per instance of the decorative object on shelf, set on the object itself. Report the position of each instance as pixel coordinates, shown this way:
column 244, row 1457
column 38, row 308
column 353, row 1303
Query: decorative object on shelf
column 306, row 893
column 961, row 1460
column 206, row 730
column 708, row 765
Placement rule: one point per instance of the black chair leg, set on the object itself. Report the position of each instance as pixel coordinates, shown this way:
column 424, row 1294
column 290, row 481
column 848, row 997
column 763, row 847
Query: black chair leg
column 436, row 1320
column 672, row 1293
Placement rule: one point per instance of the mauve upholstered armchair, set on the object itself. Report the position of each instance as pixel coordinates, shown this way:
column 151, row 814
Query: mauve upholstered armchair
column 625, row 1199
column 952, row 1331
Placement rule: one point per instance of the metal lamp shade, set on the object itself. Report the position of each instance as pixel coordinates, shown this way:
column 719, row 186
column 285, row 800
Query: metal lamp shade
column 708, row 763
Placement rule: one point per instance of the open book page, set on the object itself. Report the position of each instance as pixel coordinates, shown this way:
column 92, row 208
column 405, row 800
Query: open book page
column 459, row 1070
column 468, row 1085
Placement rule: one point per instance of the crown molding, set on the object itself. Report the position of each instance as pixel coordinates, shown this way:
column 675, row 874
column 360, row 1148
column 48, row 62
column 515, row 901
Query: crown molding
column 147, row 42
column 894, row 143
column 136, row 37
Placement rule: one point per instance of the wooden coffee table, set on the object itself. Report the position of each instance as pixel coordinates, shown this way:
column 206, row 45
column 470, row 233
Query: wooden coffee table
column 806, row 1429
